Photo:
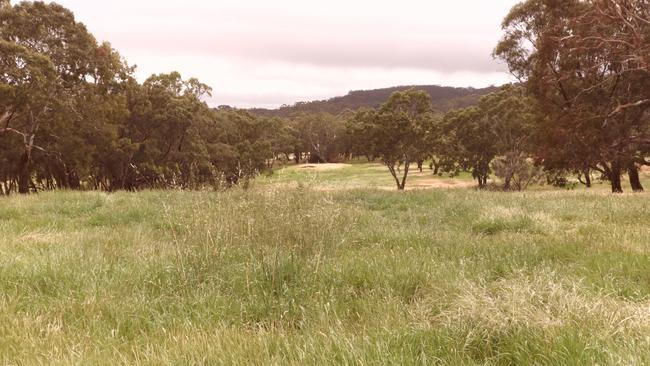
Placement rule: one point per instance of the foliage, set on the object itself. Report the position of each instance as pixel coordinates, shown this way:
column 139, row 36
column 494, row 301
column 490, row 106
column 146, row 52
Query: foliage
column 48, row 73
column 397, row 134
column 501, row 125
column 319, row 135
column 73, row 117
column 586, row 63
column 517, row 171
column 443, row 99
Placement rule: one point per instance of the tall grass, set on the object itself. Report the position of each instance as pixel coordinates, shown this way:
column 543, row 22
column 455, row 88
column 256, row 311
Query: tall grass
column 293, row 276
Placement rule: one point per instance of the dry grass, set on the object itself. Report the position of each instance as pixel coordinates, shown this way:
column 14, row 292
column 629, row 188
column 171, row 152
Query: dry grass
column 322, row 167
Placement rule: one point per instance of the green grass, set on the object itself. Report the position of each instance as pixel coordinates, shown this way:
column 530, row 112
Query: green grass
column 356, row 176
column 292, row 274
column 376, row 176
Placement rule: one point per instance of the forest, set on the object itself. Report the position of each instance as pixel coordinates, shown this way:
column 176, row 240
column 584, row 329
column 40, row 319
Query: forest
column 73, row 116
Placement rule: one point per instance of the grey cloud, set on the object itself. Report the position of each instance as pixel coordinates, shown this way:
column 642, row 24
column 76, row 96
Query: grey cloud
column 263, row 53
column 338, row 50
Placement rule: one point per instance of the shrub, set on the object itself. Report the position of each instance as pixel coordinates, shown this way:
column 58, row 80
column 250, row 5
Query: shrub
column 517, row 171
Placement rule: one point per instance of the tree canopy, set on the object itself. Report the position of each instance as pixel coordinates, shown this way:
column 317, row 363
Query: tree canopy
column 398, row 133
column 586, row 64
column 73, row 116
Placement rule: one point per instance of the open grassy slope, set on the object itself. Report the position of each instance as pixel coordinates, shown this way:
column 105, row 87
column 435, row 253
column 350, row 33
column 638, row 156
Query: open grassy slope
column 288, row 274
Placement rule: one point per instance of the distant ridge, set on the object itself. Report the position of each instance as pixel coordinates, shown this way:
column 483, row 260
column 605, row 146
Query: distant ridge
column 443, row 98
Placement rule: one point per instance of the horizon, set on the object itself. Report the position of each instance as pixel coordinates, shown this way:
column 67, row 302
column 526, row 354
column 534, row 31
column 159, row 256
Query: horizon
column 349, row 92
column 289, row 52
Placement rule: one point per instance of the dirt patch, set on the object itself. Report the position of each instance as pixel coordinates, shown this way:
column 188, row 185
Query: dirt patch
column 438, row 183
column 420, row 184
column 322, row 167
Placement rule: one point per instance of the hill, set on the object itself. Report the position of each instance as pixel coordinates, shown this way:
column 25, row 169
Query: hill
column 443, row 98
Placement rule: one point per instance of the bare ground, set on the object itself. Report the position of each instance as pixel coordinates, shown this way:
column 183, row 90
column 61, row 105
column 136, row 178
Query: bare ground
column 420, row 184
column 322, row 167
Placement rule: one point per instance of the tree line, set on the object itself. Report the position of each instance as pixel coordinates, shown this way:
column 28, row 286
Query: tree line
column 580, row 106
column 73, row 116
column 443, row 98
column 493, row 137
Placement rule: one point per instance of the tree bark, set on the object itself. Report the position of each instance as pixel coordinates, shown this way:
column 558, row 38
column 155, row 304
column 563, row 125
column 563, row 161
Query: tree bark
column 401, row 183
column 24, row 173
column 507, row 185
column 435, row 167
column 482, row 181
column 615, row 178
column 391, row 168
column 616, row 184
column 406, row 173
column 587, row 174
column 635, row 180
column 73, row 179
column 613, row 173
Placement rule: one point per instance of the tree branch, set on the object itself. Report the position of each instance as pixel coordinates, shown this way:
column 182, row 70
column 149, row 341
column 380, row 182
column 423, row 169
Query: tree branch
column 9, row 129
column 623, row 107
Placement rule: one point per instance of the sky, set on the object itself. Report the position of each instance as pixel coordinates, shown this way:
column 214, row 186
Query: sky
column 265, row 53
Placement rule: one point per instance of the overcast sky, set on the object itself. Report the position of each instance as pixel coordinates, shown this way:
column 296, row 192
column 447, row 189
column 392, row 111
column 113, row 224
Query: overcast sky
column 266, row 53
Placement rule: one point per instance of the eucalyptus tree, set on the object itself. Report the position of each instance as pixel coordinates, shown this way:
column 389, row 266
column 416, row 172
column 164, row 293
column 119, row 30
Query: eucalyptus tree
column 512, row 116
column 398, row 133
column 49, row 64
column 25, row 89
column 321, row 135
column 72, row 116
column 240, row 146
column 469, row 144
column 586, row 63
column 160, row 142
column 499, row 128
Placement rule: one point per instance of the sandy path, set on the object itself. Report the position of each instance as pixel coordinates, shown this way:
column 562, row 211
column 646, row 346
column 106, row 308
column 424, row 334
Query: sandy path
column 420, row 184
column 321, row 167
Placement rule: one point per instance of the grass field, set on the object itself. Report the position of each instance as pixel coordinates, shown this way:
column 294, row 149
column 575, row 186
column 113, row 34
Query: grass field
column 337, row 177
column 296, row 271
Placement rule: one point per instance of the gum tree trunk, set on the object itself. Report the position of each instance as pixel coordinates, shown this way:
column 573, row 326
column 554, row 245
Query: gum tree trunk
column 635, row 180
column 587, row 175
column 24, row 173
column 400, row 181
column 615, row 178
